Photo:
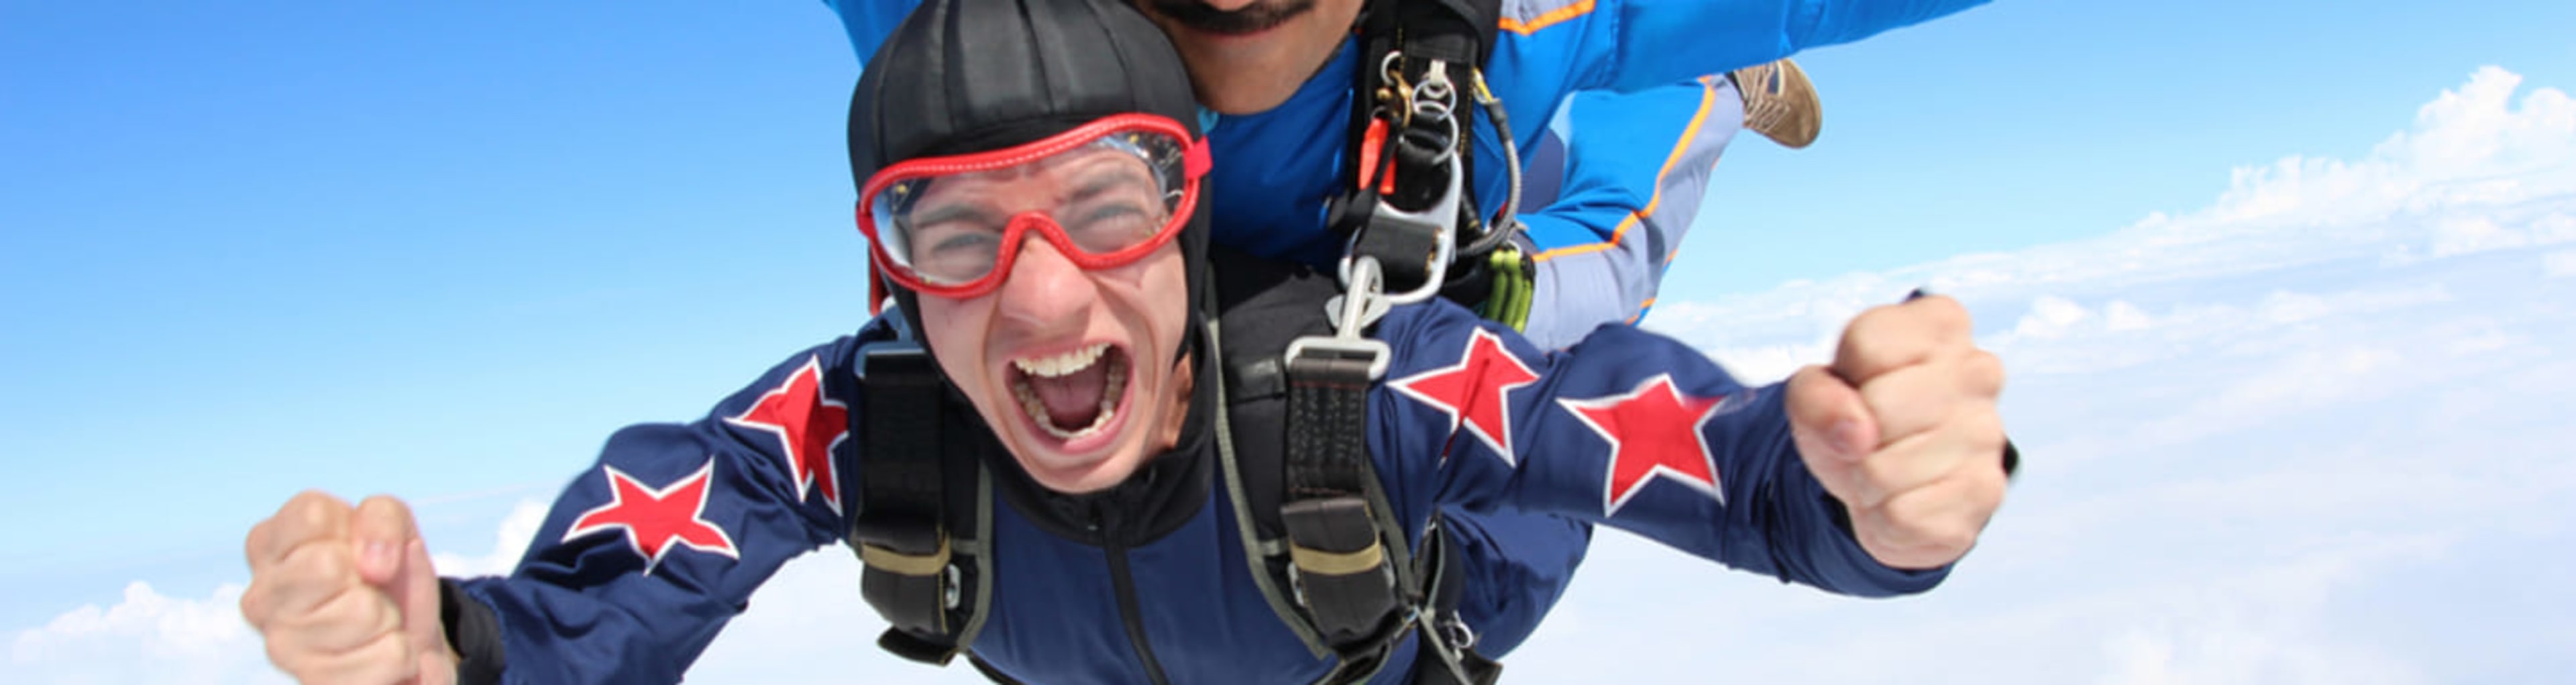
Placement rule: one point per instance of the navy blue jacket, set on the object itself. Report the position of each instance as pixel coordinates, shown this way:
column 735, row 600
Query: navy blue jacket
column 646, row 555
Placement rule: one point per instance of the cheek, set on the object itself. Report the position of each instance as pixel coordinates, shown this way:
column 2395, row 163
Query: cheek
column 1162, row 285
column 946, row 322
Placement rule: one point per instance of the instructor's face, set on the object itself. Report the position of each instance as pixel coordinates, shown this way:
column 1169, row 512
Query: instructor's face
column 1247, row 56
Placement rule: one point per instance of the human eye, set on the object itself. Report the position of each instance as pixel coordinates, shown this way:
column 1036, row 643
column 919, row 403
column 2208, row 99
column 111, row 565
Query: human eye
column 955, row 250
column 1111, row 225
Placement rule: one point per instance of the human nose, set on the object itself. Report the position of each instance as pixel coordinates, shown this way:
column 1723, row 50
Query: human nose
column 1045, row 292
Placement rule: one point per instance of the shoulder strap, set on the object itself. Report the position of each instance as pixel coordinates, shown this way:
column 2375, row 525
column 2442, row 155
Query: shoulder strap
column 1318, row 529
column 924, row 553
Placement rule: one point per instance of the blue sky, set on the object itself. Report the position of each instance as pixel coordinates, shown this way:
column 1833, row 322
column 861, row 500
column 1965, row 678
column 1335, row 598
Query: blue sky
column 441, row 250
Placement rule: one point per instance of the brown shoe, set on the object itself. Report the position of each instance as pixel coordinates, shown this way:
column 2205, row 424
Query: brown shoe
column 1780, row 103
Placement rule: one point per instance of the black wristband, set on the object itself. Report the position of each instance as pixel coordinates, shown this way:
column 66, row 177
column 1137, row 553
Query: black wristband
column 473, row 632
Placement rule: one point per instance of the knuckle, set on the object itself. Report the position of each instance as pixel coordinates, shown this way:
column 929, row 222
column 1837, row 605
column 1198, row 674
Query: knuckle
column 1988, row 493
column 315, row 510
column 385, row 509
column 255, row 543
column 1870, row 330
column 1982, row 434
column 319, row 565
column 253, row 604
column 1990, row 426
column 1984, row 372
column 1943, row 315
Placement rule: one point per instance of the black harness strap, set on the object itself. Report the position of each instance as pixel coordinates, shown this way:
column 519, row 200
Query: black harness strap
column 917, row 567
column 1342, row 572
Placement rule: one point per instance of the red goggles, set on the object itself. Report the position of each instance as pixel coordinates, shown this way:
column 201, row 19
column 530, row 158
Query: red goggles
column 1106, row 194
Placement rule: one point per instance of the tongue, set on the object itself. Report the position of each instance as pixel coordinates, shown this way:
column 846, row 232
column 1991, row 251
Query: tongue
column 1073, row 400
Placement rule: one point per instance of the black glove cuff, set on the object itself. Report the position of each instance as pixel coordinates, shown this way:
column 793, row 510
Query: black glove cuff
column 473, row 632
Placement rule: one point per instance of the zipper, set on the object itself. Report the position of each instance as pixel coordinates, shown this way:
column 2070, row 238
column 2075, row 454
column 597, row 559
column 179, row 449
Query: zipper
column 1106, row 525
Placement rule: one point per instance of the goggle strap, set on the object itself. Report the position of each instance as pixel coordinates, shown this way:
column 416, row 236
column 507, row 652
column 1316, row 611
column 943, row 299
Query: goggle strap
column 1195, row 161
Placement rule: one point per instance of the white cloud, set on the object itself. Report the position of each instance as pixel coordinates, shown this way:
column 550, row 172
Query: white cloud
column 508, row 544
column 2464, row 235
column 2050, row 316
column 146, row 638
column 2121, row 317
column 2478, row 171
column 2553, row 229
column 2559, row 264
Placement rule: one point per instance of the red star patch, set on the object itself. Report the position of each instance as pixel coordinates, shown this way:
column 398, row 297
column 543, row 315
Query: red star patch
column 1473, row 391
column 1653, row 431
column 808, row 425
column 657, row 520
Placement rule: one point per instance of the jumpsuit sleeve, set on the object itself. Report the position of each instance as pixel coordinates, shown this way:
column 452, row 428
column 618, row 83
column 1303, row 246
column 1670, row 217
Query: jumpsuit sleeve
column 647, row 553
column 1627, row 429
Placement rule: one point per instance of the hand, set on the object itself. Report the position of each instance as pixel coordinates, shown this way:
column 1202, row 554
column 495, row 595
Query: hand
column 346, row 595
column 1902, row 428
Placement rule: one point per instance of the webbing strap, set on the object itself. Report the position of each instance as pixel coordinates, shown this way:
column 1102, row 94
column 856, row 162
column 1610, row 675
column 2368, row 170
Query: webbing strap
column 901, row 504
column 1327, row 425
column 1338, row 560
column 900, row 529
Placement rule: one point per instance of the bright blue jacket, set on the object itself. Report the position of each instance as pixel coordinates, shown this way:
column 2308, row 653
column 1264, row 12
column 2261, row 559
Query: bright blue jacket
column 647, row 554
column 1607, row 101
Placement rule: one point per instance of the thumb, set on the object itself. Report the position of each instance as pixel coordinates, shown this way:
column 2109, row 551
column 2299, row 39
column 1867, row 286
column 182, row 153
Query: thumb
column 416, row 591
column 1831, row 425
column 380, row 531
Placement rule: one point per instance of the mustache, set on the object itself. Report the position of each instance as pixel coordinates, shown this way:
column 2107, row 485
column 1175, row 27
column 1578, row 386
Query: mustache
column 1251, row 18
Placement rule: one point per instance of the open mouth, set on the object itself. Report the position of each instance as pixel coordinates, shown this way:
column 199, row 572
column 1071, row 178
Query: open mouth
column 1074, row 395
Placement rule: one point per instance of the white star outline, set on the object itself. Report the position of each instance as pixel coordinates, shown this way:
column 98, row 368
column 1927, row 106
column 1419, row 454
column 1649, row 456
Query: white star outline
column 787, row 443
column 617, row 498
column 1501, row 445
column 1610, row 466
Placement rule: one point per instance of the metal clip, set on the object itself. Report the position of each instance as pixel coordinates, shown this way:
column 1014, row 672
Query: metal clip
column 1352, row 312
column 1441, row 220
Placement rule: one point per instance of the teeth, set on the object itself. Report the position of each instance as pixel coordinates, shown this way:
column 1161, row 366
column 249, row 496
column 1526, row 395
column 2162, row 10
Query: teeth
column 1059, row 365
column 1116, row 387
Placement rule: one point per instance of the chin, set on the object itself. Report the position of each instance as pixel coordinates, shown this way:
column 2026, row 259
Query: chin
column 1078, row 475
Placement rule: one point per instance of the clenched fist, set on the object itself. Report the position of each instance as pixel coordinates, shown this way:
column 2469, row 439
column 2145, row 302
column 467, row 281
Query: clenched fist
column 346, row 595
column 1902, row 428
